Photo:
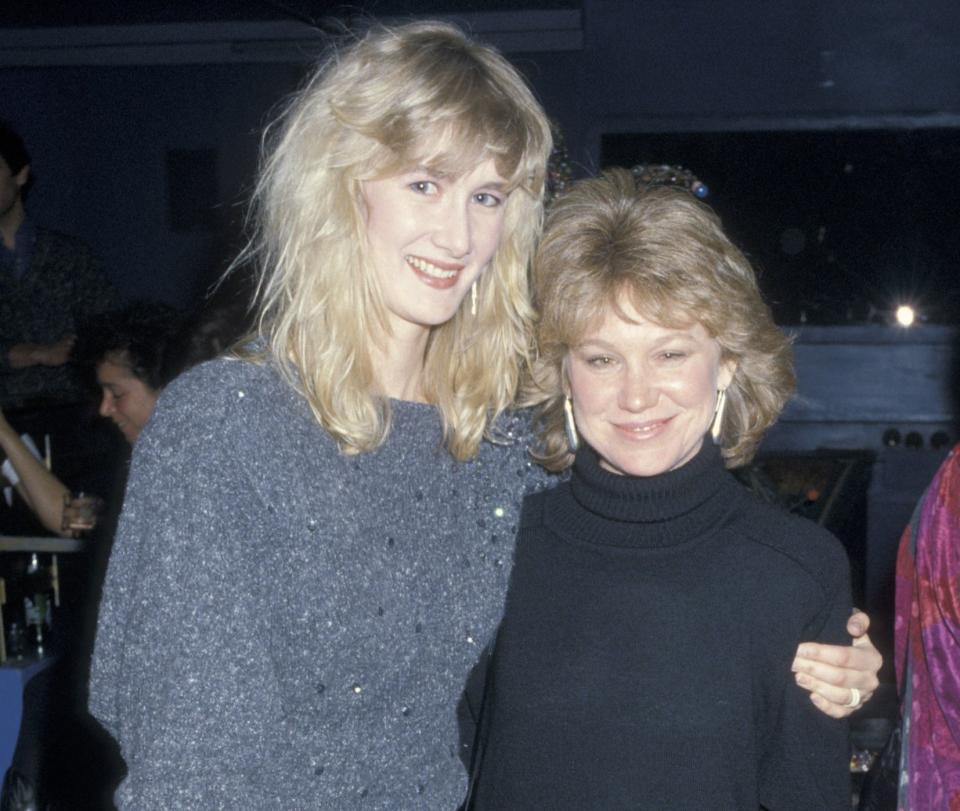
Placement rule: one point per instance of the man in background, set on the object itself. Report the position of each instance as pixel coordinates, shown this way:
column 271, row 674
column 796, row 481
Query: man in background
column 49, row 283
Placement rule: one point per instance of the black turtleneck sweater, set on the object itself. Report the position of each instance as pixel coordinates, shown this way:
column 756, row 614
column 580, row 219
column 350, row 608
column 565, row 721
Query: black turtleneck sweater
column 643, row 661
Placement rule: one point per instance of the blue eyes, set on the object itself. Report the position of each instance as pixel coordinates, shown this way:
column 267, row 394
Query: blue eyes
column 430, row 187
column 488, row 200
column 424, row 187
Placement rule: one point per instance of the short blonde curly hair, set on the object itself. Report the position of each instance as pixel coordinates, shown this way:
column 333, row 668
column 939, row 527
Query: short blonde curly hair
column 665, row 251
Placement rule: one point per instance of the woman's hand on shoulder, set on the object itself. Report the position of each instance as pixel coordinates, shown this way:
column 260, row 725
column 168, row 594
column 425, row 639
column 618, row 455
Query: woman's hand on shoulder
column 840, row 678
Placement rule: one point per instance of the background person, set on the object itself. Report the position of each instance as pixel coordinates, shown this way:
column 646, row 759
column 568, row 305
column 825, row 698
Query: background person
column 131, row 353
column 644, row 658
column 63, row 759
column 49, row 284
column 134, row 353
column 928, row 648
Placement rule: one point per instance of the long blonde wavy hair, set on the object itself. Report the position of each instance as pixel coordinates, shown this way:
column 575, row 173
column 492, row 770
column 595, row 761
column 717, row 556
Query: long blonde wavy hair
column 606, row 241
column 415, row 95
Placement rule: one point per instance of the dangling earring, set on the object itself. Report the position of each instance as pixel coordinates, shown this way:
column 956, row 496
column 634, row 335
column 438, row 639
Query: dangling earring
column 716, row 427
column 573, row 440
column 473, row 298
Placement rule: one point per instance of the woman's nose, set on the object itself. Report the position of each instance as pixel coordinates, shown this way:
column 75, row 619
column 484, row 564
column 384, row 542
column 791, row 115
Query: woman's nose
column 106, row 406
column 638, row 392
column 452, row 231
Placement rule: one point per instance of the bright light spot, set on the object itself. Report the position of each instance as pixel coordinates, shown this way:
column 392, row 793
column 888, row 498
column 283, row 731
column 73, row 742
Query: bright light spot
column 905, row 315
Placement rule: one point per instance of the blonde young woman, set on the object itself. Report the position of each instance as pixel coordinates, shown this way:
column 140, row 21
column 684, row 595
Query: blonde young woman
column 316, row 539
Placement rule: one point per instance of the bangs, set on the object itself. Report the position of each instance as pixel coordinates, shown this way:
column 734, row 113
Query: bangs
column 440, row 102
column 586, row 307
column 451, row 133
column 458, row 148
column 656, row 302
column 455, row 147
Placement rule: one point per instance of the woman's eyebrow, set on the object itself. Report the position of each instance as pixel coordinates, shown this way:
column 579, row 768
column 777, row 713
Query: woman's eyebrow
column 598, row 343
column 425, row 170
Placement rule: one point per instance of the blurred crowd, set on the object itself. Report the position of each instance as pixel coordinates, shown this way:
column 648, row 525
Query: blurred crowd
column 80, row 373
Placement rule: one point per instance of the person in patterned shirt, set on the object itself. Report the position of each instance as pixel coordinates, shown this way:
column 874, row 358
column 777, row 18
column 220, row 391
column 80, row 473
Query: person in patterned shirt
column 49, row 284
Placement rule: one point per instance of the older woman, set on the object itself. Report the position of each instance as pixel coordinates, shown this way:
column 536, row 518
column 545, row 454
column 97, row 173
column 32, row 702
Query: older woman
column 644, row 659
column 317, row 538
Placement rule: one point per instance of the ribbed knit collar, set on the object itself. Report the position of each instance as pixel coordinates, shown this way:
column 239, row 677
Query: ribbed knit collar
column 673, row 508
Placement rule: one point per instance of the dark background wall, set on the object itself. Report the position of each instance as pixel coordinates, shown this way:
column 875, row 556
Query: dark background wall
column 102, row 108
column 762, row 61
column 101, row 139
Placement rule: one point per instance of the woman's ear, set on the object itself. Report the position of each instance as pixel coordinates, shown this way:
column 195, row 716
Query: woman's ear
column 564, row 377
column 360, row 202
column 21, row 177
column 728, row 368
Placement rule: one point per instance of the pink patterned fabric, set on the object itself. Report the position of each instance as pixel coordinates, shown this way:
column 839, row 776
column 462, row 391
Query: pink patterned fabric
column 928, row 646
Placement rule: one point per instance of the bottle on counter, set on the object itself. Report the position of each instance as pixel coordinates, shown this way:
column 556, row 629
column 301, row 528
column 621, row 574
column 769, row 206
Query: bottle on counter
column 37, row 605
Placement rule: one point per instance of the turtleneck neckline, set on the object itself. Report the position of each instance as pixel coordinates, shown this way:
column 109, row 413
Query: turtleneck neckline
column 673, row 508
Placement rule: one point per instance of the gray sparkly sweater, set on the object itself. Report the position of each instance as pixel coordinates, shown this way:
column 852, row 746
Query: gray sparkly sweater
column 286, row 627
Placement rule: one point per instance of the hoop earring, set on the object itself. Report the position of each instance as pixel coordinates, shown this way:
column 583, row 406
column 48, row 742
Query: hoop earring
column 473, row 298
column 716, row 427
column 573, row 439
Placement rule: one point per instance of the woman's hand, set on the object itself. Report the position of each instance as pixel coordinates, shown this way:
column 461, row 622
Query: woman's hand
column 840, row 678
column 20, row 356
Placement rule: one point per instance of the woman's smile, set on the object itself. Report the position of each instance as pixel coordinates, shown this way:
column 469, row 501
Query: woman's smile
column 437, row 274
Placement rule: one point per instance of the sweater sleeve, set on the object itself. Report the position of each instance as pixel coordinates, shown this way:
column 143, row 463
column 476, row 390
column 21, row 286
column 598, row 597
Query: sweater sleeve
column 806, row 763
column 179, row 674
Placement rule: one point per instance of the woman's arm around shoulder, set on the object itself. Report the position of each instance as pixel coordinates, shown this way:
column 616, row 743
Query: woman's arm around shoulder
column 839, row 678
column 806, row 763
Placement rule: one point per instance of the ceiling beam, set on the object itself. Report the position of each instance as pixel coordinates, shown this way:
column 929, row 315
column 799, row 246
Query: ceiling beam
column 252, row 42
